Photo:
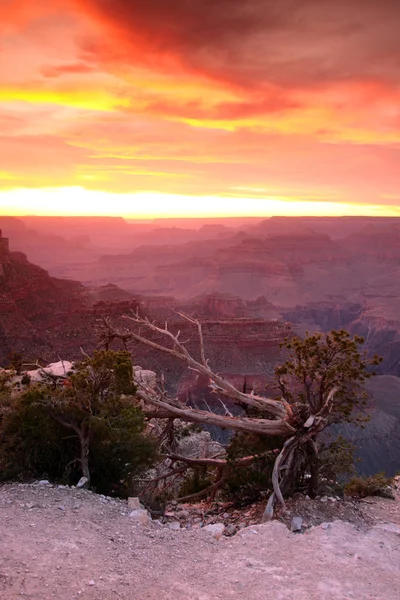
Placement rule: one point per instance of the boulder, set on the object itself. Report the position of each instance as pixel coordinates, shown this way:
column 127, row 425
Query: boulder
column 296, row 524
column 216, row 530
column 140, row 516
column 145, row 377
column 134, row 504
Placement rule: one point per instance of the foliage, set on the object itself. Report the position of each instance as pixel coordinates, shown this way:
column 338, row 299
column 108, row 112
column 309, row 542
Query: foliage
column 197, row 480
column 32, row 443
column 376, row 485
column 90, row 418
column 336, row 461
column 319, row 364
column 245, row 484
column 119, row 450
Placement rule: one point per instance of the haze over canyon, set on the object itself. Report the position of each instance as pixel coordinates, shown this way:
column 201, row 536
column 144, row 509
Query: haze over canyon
column 251, row 282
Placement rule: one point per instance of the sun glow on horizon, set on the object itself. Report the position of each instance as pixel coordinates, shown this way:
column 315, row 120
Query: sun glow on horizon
column 78, row 201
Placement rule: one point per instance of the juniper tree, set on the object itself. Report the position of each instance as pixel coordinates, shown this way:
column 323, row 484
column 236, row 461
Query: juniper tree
column 320, row 383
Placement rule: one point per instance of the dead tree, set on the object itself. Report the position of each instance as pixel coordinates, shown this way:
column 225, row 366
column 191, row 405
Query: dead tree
column 297, row 418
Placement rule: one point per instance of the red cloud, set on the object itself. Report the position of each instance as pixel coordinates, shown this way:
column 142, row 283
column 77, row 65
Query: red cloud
column 68, row 69
column 289, row 42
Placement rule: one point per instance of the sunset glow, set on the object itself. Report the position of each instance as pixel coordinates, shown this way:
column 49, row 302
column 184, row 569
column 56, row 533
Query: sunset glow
column 189, row 108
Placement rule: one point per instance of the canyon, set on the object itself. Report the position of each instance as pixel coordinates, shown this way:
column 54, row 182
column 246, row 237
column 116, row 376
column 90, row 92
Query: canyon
column 251, row 283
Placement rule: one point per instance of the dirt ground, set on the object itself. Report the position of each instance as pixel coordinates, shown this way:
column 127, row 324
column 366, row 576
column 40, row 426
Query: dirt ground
column 65, row 543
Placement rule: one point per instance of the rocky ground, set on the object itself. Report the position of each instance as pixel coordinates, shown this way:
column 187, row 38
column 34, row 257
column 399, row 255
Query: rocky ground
column 67, row 543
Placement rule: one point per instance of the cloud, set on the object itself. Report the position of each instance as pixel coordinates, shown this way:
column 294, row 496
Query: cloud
column 296, row 97
column 247, row 42
column 78, row 68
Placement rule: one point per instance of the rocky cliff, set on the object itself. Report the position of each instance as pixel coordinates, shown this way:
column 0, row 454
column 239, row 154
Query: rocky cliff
column 41, row 316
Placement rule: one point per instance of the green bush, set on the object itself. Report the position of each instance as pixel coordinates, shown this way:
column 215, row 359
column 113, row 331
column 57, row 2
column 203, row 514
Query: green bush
column 196, row 481
column 244, row 484
column 32, row 443
column 119, row 450
column 376, row 485
column 336, row 461
column 40, row 428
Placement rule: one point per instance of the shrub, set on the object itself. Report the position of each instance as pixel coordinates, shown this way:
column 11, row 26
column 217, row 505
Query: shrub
column 244, row 484
column 41, row 428
column 336, row 461
column 196, row 481
column 376, row 485
column 32, row 443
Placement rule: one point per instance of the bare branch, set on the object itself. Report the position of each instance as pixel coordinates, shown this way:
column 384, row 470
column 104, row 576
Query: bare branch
column 201, row 337
column 212, row 462
column 276, row 408
column 262, row 426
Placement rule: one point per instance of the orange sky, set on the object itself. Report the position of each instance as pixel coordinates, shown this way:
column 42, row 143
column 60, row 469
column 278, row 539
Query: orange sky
column 204, row 107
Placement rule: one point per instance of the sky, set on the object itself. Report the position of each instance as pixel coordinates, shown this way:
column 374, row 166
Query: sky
column 200, row 107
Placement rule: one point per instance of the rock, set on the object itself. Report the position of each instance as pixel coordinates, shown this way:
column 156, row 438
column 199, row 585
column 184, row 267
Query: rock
column 242, row 525
column 326, row 525
column 296, row 524
column 91, row 582
column 183, row 514
column 230, row 529
column 44, row 482
column 216, row 530
column 199, row 444
column 140, row 516
column 387, row 492
column 175, row 525
column 146, row 378
column 324, row 499
column 391, row 527
column 134, row 504
column 82, row 482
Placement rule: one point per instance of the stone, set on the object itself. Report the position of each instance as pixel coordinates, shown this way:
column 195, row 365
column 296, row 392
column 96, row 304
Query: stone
column 175, row 525
column 230, row 529
column 242, row 525
column 296, row 524
column 324, row 499
column 82, row 482
column 326, row 525
column 215, row 529
column 134, row 504
column 140, row 516
column 183, row 514
column 392, row 527
column 44, row 482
